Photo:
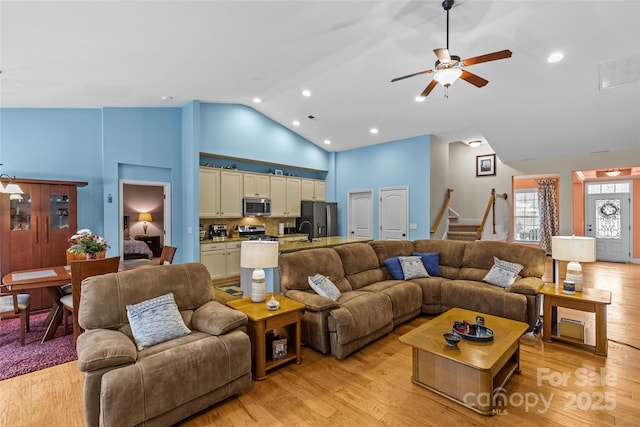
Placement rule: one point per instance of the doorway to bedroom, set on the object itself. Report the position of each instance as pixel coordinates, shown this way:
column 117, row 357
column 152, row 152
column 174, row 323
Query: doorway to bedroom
column 145, row 218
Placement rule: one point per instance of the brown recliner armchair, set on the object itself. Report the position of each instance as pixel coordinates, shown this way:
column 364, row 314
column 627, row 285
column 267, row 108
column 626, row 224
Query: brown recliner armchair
column 166, row 382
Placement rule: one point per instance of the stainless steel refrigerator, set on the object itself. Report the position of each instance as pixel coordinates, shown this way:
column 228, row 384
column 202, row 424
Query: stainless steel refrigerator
column 323, row 217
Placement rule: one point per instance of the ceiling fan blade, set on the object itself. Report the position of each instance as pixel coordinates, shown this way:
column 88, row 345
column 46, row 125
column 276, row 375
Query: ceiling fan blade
column 412, row 75
column 443, row 55
column 473, row 79
column 429, row 88
column 503, row 54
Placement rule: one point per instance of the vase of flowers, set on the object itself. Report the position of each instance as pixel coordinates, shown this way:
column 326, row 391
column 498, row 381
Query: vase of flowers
column 86, row 245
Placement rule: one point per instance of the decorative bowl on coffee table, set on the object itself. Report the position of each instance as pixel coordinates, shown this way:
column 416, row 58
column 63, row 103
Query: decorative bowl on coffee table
column 452, row 339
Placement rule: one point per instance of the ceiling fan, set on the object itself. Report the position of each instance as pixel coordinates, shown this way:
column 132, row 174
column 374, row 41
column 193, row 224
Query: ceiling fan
column 449, row 67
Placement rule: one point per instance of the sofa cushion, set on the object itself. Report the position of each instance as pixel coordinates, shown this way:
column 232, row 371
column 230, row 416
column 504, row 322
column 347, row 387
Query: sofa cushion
column 296, row 267
column 503, row 273
column 450, row 252
column 323, row 286
column 412, row 267
column 385, row 249
column 394, row 267
column 431, row 262
column 156, row 320
column 360, row 264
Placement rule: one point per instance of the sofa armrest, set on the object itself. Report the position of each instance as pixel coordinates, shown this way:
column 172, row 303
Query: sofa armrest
column 527, row 286
column 312, row 301
column 217, row 319
column 104, row 348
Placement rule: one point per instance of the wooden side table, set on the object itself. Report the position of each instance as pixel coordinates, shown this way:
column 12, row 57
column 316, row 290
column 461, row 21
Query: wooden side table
column 286, row 320
column 589, row 300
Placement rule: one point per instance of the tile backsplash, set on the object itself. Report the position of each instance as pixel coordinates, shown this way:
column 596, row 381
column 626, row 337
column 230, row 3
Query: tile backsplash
column 271, row 224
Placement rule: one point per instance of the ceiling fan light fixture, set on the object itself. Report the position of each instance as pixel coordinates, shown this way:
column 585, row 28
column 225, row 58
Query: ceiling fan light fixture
column 448, row 76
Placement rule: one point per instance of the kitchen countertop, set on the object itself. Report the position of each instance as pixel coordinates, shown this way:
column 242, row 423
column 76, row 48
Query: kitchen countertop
column 223, row 240
column 320, row 242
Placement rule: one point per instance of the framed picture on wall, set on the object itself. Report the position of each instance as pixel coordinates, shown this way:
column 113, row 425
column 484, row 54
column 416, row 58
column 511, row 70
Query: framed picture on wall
column 486, row 165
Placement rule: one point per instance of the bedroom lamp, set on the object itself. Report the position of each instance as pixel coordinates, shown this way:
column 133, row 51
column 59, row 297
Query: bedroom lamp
column 258, row 254
column 574, row 249
column 146, row 218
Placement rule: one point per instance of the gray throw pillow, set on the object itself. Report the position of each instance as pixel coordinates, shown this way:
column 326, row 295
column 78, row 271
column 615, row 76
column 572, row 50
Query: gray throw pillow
column 322, row 285
column 155, row 321
column 503, row 273
column 412, row 267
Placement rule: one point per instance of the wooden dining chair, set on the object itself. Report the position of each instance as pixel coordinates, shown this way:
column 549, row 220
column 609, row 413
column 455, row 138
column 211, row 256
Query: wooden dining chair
column 12, row 303
column 166, row 257
column 80, row 270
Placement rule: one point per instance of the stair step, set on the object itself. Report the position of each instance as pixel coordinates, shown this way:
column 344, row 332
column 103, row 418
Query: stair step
column 464, row 227
column 468, row 236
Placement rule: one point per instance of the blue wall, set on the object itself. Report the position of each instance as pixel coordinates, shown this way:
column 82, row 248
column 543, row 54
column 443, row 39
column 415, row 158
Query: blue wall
column 57, row 144
column 399, row 163
column 102, row 146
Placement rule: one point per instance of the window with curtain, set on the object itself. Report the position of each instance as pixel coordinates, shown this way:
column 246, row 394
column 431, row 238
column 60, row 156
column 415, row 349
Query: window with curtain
column 526, row 216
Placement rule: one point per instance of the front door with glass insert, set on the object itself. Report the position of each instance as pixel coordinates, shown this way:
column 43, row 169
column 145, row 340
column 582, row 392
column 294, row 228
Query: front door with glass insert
column 608, row 220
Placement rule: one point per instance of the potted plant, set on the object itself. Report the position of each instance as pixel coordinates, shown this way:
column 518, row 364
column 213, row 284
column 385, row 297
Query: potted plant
column 86, row 245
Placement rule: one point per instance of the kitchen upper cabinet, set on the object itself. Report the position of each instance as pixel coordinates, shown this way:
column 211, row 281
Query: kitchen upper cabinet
column 313, row 189
column 35, row 229
column 230, row 194
column 256, row 185
column 209, row 193
column 285, row 197
column 220, row 193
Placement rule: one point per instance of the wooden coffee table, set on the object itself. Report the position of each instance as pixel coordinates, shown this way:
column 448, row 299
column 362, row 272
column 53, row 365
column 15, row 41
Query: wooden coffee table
column 287, row 320
column 470, row 373
column 589, row 300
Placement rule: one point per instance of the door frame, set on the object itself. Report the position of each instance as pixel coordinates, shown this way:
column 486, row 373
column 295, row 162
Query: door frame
column 350, row 219
column 166, row 209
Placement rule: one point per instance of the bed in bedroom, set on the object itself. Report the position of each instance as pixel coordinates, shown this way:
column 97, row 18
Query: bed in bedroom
column 136, row 249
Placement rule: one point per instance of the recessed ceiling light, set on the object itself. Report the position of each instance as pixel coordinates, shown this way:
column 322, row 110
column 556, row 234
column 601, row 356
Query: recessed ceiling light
column 166, row 98
column 420, row 98
column 296, row 123
column 306, row 93
column 257, row 100
column 373, row 130
column 555, row 57
column 326, row 141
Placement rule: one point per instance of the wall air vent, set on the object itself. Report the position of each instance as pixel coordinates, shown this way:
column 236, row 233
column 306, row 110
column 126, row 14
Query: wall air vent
column 619, row 72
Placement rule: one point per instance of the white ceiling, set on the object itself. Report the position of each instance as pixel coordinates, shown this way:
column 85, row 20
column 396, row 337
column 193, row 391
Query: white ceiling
column 94, row 54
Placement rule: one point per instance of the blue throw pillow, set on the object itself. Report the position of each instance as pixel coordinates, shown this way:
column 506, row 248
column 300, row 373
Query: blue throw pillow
column 431, row 261
column 394, row 267
column 156, row 320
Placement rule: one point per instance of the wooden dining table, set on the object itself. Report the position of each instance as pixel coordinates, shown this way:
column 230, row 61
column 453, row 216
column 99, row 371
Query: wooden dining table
column 52, row 278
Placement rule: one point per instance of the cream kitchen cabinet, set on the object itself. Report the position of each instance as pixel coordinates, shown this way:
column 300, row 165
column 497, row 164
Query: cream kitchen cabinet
column 220, row 193
column 256, row 185
column 221, row 259
column 285, row 197
column 313, row 189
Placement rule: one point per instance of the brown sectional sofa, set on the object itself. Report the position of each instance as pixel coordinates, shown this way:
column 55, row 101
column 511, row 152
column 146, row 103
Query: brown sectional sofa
column 373, row 302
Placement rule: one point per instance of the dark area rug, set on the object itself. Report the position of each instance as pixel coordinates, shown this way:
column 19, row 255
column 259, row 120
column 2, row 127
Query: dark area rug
column 19, row 360
column 233, row 290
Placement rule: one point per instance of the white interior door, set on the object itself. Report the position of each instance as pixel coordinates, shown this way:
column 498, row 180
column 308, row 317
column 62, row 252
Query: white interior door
column 360, row 213
column 394, row 213
column 608, row 220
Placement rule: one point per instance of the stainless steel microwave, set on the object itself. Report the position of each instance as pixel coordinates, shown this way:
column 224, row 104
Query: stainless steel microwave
column 256, row 207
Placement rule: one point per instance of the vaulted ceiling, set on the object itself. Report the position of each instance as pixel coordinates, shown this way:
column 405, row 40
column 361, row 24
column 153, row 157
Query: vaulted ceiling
column 96, row 54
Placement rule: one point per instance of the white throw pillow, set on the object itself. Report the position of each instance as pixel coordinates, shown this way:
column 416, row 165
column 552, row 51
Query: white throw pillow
column 155, row 321
column 323, row 286
column 503, row 273
column 412, row 267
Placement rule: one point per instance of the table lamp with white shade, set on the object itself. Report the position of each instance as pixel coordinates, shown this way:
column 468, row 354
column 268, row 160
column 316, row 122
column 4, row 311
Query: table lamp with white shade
column 258, row 254
column 574, row 249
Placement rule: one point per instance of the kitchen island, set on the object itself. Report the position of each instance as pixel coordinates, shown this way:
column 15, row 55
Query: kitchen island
column 319, row 242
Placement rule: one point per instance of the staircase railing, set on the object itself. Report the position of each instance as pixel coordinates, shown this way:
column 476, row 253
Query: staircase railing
column 491, row 206
column 442, row 211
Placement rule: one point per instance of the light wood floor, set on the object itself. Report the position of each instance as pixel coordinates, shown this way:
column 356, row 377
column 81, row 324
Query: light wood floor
column 373, row 387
